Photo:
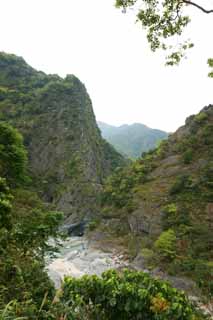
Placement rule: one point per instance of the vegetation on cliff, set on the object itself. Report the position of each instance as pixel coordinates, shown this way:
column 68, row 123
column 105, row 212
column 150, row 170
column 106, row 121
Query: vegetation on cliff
column 164, row 200
column 33, row 102
column 25, row 227
column 68, row 158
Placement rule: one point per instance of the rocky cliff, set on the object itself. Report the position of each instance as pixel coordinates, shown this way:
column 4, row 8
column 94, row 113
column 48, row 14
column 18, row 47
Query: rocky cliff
column 68, row 157
column 165, row 202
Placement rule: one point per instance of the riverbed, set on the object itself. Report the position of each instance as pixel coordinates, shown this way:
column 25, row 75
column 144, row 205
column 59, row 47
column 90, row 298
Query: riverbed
column 78, row 257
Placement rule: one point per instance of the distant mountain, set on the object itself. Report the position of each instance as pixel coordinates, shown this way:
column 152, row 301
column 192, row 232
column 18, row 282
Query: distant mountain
column 132, row 140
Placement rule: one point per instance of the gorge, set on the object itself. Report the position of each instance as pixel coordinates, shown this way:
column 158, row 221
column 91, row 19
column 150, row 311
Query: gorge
column 155, row 212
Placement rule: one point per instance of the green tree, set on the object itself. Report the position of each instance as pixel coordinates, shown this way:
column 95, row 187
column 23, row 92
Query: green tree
column 5, row 205
column 26, row 224
column 210, row 63
column 163, row 20
column 13, row 155
column 166, row 244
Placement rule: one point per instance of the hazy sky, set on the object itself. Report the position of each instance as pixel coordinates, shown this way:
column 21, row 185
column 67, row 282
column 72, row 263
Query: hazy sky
column 109, row 53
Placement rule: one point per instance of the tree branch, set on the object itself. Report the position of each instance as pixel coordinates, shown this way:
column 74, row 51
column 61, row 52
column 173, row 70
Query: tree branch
column 197, row 6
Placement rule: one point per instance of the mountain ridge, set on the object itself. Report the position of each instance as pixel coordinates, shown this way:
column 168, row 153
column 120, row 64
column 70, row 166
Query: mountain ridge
column 68, row 157
column 132, row 140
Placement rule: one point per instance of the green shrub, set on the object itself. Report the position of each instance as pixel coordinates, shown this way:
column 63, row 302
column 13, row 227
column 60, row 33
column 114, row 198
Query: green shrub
column 74, row 167
column 181, row 184
column 204, row 276
column 26, row 224
column 13, row 156
column 124, row 296
column 94, row 224
column 5, row 205
column 200, row 117
column 181, row 266
column 119, row 187
column 162, row 149
column 169, row 215
column 148, row 256
column 170, row 208
column 207, row 134
column 188, row 156
column 207, row 176
column 165, row 245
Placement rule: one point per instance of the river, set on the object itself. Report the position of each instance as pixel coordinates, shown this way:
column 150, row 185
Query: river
column 78, row 257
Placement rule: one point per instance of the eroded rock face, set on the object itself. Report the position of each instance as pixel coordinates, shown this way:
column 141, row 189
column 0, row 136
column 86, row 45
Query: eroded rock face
column 145, row 220
column 170, row 188
column 68, row 157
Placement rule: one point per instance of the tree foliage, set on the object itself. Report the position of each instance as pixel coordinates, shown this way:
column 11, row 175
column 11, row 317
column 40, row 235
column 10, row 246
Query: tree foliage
column 13, row 155
column 164, row 19
column 166, row 244
column 5, row 205
column 125, row 295
column 25, row 227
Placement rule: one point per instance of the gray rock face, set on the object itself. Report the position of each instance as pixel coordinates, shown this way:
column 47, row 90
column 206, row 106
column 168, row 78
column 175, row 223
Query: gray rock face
column 68, row 157
column 146, row 220
column 187, row 154
column 66, row 151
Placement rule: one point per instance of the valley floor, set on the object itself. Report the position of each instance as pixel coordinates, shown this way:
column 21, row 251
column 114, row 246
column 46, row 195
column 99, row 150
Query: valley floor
column 78, row 257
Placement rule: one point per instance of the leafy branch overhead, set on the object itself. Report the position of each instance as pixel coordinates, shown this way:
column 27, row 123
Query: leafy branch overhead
column 210, row 63
column 163, row 20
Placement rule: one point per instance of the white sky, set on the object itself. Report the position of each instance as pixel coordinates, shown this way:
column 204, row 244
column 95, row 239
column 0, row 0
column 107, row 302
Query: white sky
column 108, row 52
